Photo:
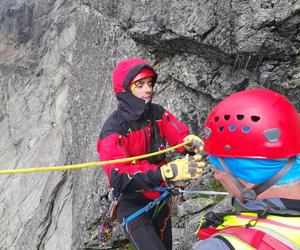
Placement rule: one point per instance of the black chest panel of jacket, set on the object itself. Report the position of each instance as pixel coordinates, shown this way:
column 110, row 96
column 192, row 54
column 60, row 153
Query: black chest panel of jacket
column 154, row 112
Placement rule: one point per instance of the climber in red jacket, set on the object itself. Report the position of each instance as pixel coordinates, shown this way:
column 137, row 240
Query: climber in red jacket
column 138, row 127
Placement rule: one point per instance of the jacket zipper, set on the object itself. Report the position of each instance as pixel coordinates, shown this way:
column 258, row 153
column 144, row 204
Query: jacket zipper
column 122, row 145
column 146, row 140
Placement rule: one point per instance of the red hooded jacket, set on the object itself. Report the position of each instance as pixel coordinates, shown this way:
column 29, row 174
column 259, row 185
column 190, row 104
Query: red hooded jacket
column 136, row 128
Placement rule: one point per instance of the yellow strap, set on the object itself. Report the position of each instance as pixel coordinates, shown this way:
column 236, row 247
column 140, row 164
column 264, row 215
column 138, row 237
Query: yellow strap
column 87, row 165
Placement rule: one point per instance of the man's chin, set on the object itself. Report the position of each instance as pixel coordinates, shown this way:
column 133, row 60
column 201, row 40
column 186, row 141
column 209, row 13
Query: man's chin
column 147, row 100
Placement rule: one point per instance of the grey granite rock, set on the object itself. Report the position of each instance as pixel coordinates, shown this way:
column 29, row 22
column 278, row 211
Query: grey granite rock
column 56, row 58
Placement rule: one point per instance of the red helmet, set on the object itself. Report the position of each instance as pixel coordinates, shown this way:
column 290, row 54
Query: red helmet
column 257, row 123
column 129, row 70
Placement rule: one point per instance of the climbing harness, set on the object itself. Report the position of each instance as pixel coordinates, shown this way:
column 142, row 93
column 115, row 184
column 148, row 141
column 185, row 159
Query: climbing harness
column 146, row 208
column 107, row 220
column 166, row 192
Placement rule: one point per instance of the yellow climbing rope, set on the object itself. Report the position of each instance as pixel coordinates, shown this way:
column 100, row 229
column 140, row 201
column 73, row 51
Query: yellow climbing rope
column 87, row 165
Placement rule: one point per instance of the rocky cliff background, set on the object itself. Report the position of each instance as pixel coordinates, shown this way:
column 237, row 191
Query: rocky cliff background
column 56, row 58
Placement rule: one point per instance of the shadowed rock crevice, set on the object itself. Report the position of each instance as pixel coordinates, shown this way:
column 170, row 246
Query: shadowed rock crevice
column 47, row 220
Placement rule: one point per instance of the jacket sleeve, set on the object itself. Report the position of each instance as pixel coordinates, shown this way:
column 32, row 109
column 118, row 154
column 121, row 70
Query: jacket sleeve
column 174, row 130
column 130, row 176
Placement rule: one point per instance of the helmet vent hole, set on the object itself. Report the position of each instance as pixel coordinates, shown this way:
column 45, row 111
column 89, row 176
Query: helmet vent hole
column 207, row 133
column 240, row 117
column 232, row 128
column 246, row 129
column 221, row 128
column 216, row 118
column 226, row 117
column 255, row 118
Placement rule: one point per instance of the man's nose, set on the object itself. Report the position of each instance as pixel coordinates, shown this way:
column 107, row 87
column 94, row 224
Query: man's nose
column 147, row 88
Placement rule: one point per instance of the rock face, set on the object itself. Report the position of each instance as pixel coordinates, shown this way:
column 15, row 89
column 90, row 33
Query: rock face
column 56, row 58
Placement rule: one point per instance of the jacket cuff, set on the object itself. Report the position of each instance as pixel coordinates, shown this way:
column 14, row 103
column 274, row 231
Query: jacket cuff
column 157, row 175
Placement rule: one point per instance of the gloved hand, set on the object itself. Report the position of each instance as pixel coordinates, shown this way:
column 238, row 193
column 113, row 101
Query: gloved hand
column 187, row 168
column 195, row 144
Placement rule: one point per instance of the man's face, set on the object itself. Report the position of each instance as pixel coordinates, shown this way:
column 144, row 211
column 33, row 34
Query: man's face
column 143, row 89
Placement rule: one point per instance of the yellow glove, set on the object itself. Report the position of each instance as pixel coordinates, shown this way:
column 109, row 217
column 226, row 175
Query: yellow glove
column 187, row 168
column 195, row 144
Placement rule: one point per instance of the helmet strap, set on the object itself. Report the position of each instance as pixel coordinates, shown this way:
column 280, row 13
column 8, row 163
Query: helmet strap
column 236, row 181
column 251, row 194
column 275, row 178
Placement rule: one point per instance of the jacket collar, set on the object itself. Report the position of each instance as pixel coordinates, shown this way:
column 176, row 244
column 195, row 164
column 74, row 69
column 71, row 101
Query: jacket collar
column 130, row 107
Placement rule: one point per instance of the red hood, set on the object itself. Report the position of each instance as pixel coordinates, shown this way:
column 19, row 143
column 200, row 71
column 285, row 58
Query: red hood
column 126, row 70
